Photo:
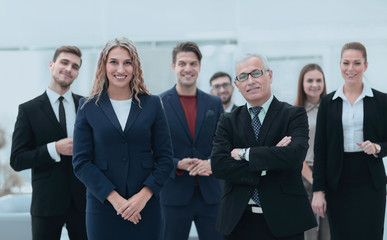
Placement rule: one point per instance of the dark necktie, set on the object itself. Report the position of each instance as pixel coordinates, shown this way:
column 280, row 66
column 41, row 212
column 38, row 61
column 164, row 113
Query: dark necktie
column 257, row 127
column 62, row 115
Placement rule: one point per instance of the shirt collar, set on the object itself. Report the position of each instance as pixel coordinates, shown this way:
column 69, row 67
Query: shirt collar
column 264, row 106
column 53, row 96
column 229, row 108
column 367, row 92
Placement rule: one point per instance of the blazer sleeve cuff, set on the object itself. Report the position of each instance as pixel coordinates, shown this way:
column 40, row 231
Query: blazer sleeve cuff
column 176, row 171
column 154, row 186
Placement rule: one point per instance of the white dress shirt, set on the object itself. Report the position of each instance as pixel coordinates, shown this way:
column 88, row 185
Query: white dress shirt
column 68, row 103
column 353, row 118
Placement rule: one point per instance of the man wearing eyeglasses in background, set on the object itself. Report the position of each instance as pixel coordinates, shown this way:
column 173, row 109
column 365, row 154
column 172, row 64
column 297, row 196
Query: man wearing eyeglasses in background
column 258, row 150
column 221, row 86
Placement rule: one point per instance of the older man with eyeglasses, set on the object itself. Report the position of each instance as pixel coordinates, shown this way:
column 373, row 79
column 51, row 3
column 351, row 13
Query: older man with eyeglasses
column 221, row 86
column 258, row 150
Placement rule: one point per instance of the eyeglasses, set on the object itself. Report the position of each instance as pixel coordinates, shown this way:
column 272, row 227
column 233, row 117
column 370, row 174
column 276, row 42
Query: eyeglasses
column 255, row 74
column 218, row 86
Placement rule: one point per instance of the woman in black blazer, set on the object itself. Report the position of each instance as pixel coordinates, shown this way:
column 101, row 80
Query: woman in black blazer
column 122, row 149
column 351, row 140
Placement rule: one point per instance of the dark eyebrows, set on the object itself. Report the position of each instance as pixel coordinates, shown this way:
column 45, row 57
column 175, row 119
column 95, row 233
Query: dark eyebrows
column 185, row 62
column 66, row 61
column 115, row 59
column 76, row 66
column 355, row 60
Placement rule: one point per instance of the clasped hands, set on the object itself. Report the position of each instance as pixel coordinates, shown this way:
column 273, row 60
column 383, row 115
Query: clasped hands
column 195, row 166
column 130, row 209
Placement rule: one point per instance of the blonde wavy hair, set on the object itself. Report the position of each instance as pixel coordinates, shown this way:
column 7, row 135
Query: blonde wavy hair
column 101, row 82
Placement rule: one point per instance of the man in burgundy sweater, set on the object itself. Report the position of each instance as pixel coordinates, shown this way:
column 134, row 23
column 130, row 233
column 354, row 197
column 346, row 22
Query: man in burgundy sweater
column 191, row 193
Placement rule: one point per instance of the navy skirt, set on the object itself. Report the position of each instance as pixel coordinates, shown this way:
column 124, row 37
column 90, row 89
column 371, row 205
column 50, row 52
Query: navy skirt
column 102, row 221
column 356, row 209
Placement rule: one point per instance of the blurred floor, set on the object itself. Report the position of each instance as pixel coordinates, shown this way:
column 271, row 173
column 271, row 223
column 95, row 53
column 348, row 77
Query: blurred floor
column 193, row 234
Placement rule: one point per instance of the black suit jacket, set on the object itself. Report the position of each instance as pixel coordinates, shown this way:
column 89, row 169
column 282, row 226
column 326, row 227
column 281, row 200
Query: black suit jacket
column 329, row 140
column 284, row 201
column 54, row 185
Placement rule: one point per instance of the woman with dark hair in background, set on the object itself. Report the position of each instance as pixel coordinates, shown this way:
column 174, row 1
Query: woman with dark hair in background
column 349, row 180
column 311, row 88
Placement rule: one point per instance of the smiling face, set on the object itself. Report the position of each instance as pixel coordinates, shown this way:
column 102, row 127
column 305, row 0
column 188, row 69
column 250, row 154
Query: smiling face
column 313, row 85
column 222, row 88
column 119, row 69
column 353, row 66
column 256, row 91
column 64, row 71
column 187, row 68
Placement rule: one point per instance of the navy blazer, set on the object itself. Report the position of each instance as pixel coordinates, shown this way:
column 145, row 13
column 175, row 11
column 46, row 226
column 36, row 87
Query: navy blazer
column 179, row 189
column 284, row 201
column 107, row 158
column 329, row 140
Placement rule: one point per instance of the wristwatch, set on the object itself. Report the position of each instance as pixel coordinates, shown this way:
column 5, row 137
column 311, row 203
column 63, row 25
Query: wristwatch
column 242, row 153
column 377, row 148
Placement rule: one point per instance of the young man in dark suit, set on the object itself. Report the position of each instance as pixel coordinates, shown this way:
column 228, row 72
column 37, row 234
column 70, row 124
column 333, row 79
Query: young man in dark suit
column 42, row 141
column 258, row 150
column 192, row 193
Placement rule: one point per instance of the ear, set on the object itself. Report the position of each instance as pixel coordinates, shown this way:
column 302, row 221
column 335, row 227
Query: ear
column 366, row 66
column 173, row 66
column 271, row 76
column 51, row 65
column 236, row 84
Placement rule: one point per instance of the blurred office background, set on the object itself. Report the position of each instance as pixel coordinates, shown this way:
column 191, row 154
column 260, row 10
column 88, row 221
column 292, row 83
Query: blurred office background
column 290, row 33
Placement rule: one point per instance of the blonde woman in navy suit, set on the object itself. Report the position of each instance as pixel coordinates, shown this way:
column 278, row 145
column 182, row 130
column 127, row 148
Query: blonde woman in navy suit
column 349, row 180
column 122, row 149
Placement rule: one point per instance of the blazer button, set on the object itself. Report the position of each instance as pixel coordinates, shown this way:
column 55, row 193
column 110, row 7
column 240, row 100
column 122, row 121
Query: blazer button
column 123, row 141
column 124, row 159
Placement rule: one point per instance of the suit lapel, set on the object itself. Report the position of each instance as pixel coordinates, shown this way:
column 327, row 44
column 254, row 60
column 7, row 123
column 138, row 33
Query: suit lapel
column 47, row 109
column 268, row 121
column 107, row 108
column 134, row 112
column 200, row 112
column 369, row 121
column 337, row 111
column 76, row 101
column 178, row 108
column 245, row 118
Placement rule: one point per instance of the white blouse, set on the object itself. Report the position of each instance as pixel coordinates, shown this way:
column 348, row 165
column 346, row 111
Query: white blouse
column 122, row 109
column 353, row 118
column 311, row 111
